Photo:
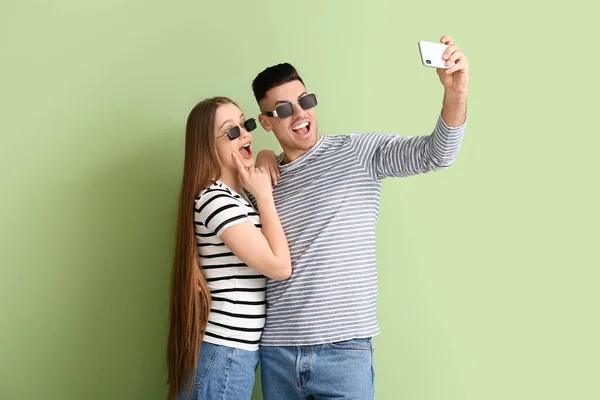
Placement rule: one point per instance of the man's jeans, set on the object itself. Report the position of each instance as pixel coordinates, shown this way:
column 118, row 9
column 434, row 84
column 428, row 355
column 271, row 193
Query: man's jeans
column 342, row 370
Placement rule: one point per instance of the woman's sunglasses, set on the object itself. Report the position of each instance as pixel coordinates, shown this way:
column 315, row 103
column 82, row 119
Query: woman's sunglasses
column 233, row 133
column 287, row 109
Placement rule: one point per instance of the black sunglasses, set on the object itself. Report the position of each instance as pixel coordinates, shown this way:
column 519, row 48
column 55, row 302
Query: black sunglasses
column 287, row 109
column 233, row 133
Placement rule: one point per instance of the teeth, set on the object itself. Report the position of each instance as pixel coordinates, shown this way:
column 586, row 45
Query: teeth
column 302, row 125
column 246, row 145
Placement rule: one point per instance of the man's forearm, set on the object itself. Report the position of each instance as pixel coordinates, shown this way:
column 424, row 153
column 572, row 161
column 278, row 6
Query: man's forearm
column 454, row 109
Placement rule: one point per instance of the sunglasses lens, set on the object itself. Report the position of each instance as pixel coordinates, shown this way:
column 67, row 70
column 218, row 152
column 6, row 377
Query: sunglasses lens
column 285, row 110
column 233, row 133
column 250, row 125
column 307, row 102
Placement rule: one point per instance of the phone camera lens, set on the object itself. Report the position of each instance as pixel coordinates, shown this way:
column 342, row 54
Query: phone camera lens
column 428, row 61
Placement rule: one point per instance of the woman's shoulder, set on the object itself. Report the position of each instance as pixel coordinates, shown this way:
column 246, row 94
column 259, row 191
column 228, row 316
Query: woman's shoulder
column 217, row 192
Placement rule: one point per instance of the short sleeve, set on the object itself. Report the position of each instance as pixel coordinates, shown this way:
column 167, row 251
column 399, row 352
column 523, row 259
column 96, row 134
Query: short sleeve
column 218, row 210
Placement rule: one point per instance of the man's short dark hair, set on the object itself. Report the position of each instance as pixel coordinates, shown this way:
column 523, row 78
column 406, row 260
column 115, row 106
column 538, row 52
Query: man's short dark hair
column 272, row 77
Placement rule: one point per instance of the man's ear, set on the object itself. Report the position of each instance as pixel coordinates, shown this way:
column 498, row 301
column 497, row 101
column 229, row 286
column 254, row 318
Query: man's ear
column 266, row 124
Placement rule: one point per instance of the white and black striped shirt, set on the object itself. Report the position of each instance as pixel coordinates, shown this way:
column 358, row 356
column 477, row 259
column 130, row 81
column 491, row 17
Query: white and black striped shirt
column 328, row 203
column 237, row 314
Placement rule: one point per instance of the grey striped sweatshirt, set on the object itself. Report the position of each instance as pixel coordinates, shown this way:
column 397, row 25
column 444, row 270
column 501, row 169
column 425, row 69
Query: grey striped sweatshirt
column 328, row 202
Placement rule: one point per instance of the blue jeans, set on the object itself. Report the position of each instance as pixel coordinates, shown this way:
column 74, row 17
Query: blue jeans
column 342, row 370
column 223, row 373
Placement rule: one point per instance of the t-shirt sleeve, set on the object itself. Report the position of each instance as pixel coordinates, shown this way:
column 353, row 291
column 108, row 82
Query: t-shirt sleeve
column 218, row 210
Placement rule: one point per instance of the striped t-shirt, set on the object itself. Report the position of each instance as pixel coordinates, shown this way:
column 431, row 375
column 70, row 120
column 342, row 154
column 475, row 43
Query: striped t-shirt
column 237, row 314
column 328, row 203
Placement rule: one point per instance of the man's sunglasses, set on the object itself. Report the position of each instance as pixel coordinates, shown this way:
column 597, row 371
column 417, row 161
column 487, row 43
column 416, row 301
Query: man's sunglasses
column 233, row 133
column 287, row 109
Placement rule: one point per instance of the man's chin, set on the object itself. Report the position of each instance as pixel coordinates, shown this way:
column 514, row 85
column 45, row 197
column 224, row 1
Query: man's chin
column 306, row 142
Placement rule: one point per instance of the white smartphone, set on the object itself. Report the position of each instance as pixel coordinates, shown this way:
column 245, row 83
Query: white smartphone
column 431, row 54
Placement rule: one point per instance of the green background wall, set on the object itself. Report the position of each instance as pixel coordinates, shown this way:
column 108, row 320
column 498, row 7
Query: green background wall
column 488, row 270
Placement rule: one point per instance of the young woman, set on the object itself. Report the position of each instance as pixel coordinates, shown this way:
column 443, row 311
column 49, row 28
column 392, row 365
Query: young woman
column 223, row 253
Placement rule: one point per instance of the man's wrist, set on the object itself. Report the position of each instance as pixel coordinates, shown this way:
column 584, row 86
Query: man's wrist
column 456, row 96
column 454, row 110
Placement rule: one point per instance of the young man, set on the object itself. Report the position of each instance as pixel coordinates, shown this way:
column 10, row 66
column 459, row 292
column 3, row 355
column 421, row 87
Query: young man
column 317, row 340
